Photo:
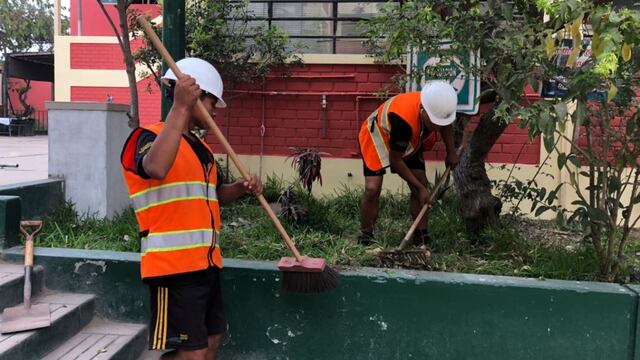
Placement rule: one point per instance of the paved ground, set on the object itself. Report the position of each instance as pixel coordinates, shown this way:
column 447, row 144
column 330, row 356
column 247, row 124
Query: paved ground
column 30, row 153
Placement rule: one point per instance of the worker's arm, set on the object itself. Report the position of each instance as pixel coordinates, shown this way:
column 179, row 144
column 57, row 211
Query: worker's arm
column 400, row 167
column 228, row 193
column 452, row 158
column 163, row 151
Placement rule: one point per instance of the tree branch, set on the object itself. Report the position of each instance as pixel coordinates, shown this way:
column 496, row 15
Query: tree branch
column 113, row 26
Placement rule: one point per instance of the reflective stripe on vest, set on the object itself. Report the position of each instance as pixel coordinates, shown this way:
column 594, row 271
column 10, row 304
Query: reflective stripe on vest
column 380, row 130
column 163, row 194
column 180, row 214
column 178, row 240
column 379, row 144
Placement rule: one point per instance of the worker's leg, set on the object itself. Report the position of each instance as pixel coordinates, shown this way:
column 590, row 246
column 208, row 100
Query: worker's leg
column 370, row 203
column 215, row 319
column 178, row 306
column 214, row 346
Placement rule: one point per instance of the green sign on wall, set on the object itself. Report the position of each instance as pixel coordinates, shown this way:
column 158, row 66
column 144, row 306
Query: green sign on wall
column 467, row 85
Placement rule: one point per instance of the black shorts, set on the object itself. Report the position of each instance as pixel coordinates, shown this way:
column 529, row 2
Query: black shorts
column 186, row 310
column 414, row 161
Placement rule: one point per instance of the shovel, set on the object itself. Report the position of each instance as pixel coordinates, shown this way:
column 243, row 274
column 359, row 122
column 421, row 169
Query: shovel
column 26, row 316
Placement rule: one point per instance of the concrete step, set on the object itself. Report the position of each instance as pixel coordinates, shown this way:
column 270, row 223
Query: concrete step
column 12, row 283
column 151, row 355
column 103, row 340
column 69, row 314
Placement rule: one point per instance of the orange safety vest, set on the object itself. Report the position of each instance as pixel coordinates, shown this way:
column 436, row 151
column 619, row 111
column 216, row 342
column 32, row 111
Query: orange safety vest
column 376, row 130
column 178, row 217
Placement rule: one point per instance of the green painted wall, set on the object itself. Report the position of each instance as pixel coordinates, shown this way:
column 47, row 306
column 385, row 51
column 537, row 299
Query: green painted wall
column 381, row 314
column 38, row 197
column 9, row 220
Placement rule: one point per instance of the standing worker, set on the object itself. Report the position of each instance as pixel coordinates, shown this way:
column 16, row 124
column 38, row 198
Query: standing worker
column 173, row 181
column 395, row 135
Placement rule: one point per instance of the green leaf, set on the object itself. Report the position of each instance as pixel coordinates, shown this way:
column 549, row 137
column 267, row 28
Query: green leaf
column 598, row 215
column 575, row 160
column 560, row 220
column 630, row 126
column 614, row 184
column 548, row 142
column 562, row 160
column 541, row 210
column 636, row 200
column 613, row 90
column 561, row 110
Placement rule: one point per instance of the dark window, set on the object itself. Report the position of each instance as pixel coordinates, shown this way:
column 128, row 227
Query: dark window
column 323, row 26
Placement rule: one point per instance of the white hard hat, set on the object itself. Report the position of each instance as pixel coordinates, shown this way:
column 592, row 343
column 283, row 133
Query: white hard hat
column 206, row 76
column 440, row 100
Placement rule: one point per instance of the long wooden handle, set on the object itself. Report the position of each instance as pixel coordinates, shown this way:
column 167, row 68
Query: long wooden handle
column 218, row 134
column 426, row 206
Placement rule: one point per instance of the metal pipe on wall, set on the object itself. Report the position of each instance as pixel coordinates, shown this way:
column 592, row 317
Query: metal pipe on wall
column 79, row 17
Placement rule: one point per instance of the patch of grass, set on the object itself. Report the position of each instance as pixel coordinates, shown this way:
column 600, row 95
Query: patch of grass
column 65, row 229
column 518, row 248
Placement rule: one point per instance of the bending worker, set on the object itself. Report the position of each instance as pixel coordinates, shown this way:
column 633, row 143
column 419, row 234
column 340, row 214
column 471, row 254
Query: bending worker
column 395, row 135
column 173, row 181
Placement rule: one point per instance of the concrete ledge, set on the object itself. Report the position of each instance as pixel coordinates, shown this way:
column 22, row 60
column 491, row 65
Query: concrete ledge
column 38, row 198
column 379, row 314
column 9, row 220
column 85, row 105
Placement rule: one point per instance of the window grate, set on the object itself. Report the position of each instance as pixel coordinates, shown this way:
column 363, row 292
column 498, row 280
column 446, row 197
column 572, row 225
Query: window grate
column 323, row 26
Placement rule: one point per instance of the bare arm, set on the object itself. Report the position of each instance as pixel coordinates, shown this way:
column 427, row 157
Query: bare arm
column 163, row 151
column 452, row 155
column 228, row 193
column 399, row 166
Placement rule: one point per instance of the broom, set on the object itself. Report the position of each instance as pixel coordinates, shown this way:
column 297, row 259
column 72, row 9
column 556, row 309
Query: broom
column 418, row 258
column 299, row 273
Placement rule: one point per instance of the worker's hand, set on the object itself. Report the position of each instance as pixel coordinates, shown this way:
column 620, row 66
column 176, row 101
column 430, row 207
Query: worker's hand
column 186, row 93
column 424, row 196
column 253, row 186
column 452, row 160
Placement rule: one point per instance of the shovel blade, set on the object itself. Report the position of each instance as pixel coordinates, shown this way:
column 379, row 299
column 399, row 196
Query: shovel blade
column 19, row 318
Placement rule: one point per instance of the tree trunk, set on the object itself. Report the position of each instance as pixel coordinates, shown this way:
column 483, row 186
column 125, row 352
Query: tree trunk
column 134, row 118
column 23, row 93
column 479, row 207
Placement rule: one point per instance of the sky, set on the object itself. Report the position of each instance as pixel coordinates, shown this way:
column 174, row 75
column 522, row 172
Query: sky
column 66, row 4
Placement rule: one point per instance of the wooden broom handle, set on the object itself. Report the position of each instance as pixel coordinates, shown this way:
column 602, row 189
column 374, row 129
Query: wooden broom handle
column 426, row 206
column 218, row 134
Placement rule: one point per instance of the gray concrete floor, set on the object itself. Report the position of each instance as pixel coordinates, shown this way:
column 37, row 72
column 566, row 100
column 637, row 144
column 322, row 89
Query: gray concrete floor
column 30, row 153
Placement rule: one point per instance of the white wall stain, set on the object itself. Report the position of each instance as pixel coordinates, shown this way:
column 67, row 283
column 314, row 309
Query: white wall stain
column 380, row 321
column 101, row 264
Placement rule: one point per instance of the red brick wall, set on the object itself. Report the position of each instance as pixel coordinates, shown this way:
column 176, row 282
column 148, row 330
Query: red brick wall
column 96, row 56
column 295, row 120
column 94, row 23
column 149, row 103
column 293, row 108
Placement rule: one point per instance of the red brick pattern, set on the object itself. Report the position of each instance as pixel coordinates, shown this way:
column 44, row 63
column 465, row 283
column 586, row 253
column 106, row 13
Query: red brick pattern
column 149, row 103
column 96, row 56
column 293, row 114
